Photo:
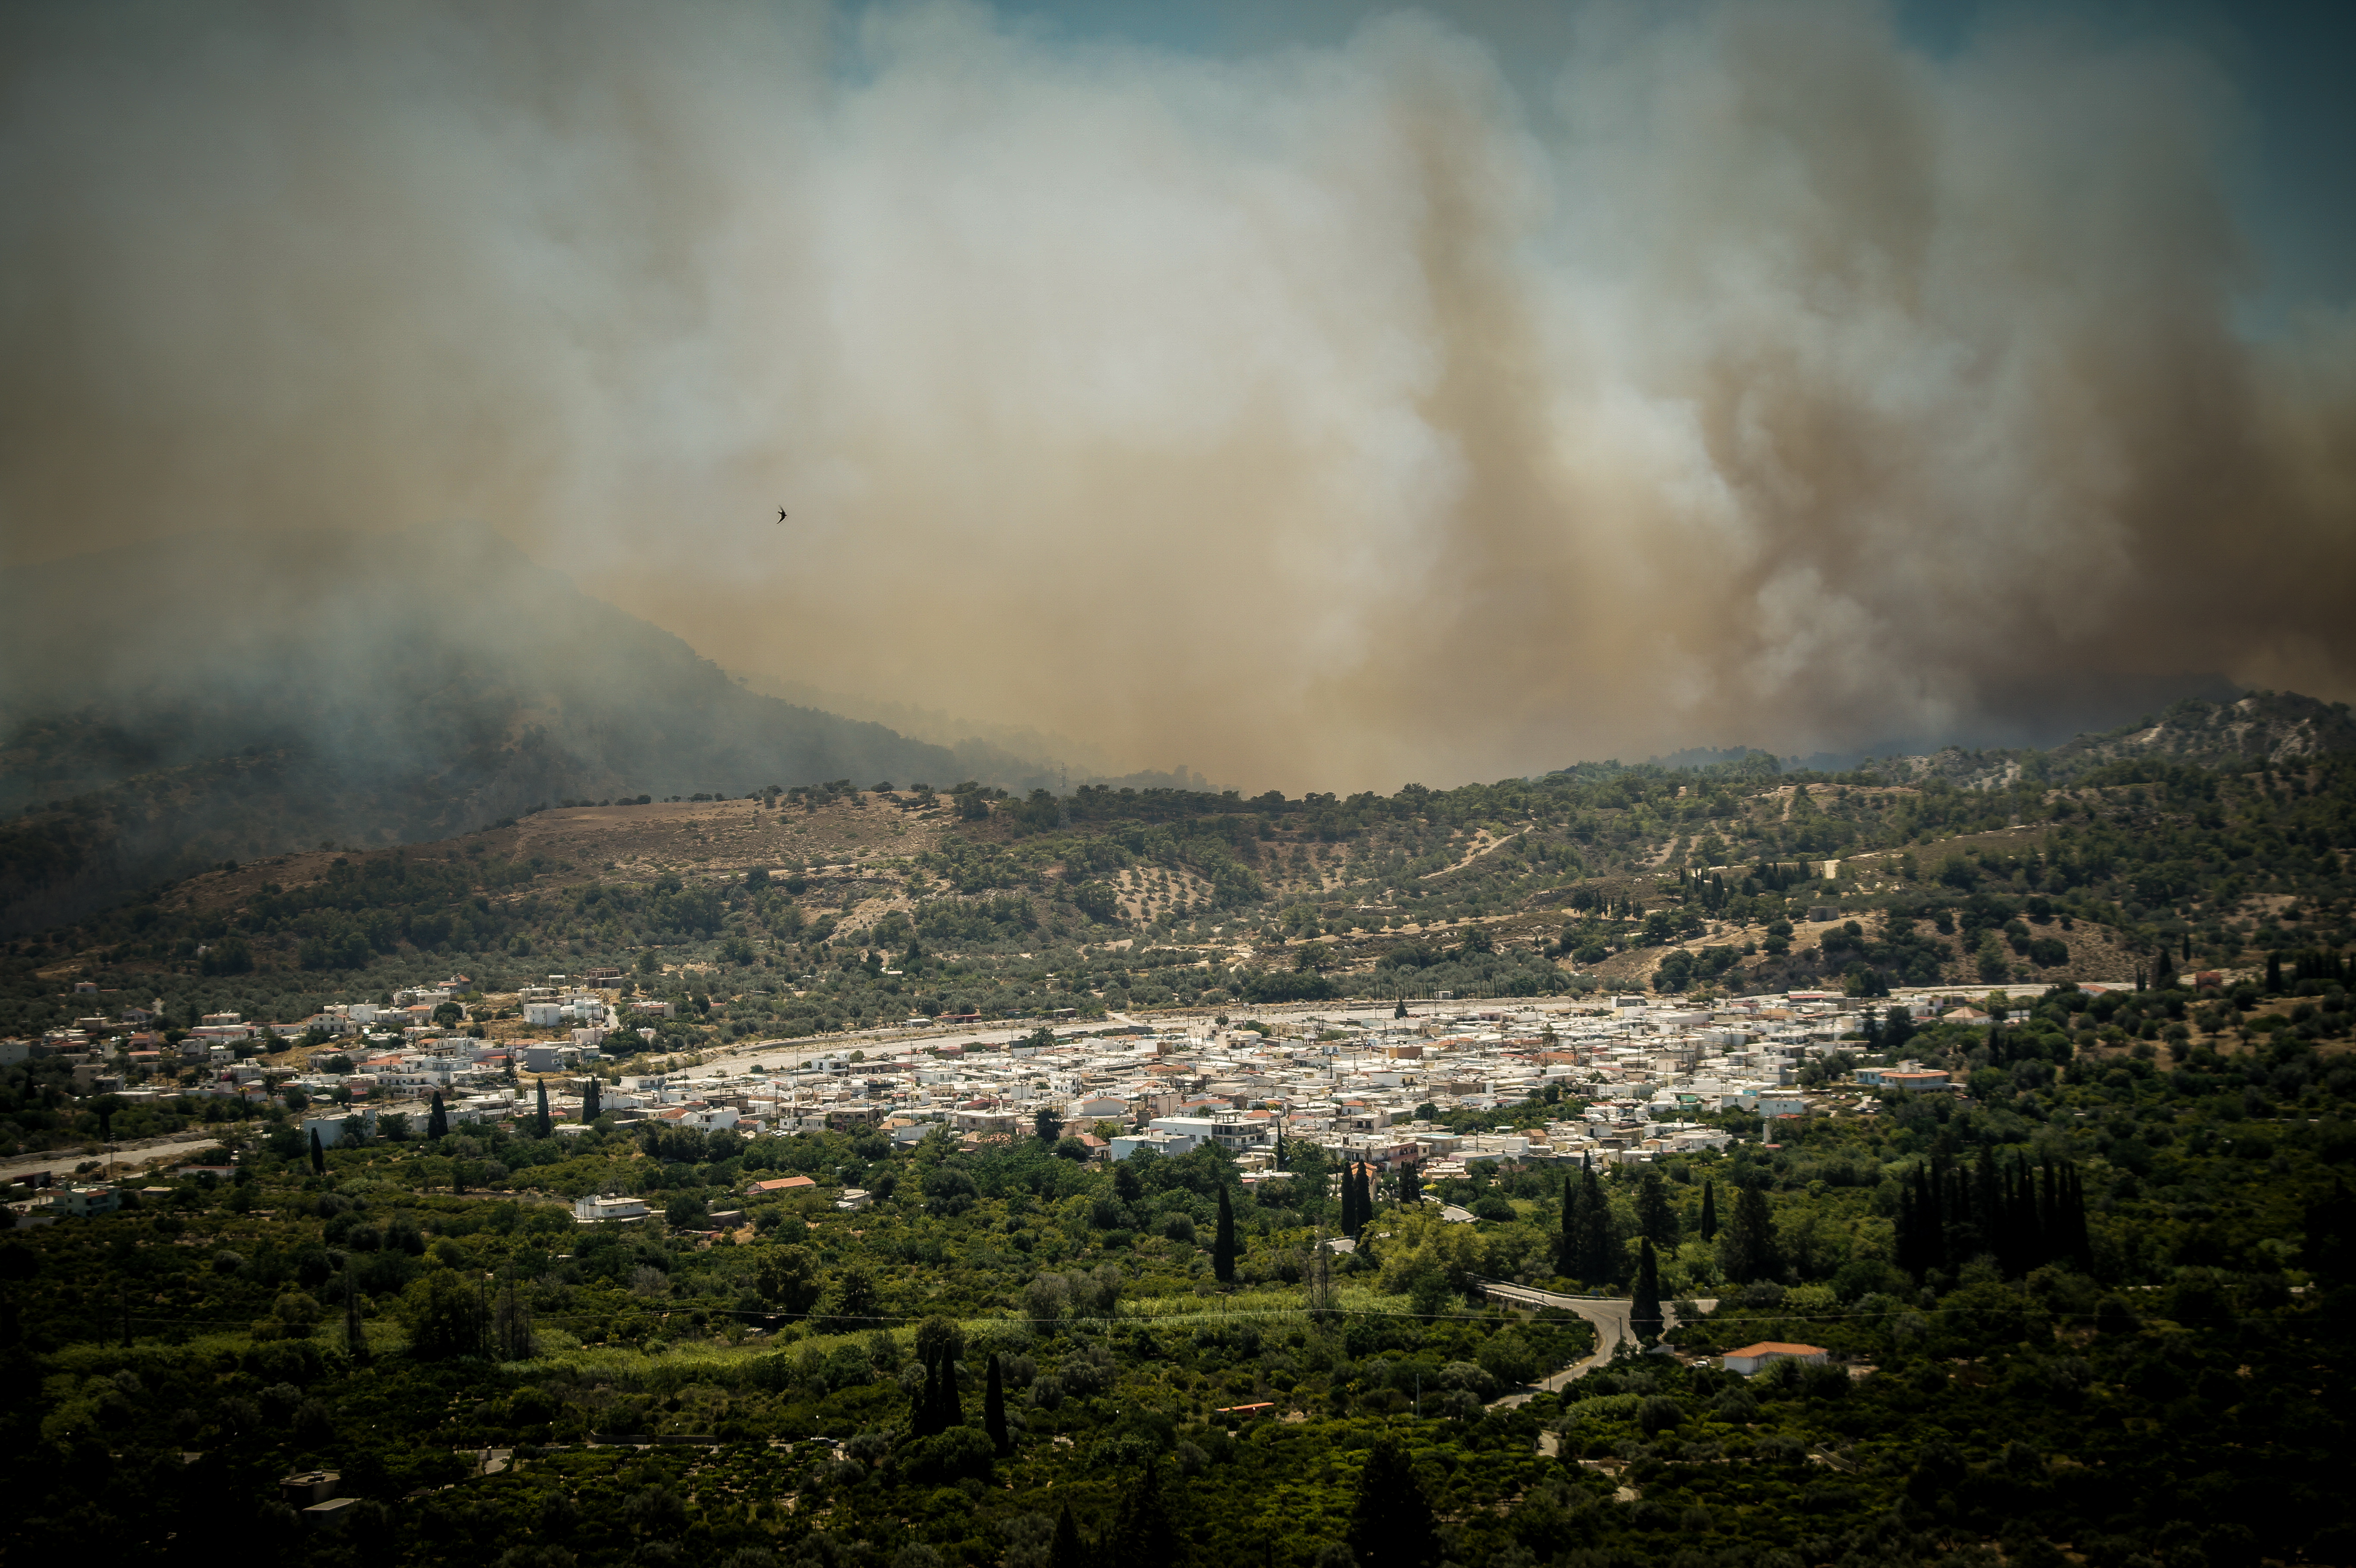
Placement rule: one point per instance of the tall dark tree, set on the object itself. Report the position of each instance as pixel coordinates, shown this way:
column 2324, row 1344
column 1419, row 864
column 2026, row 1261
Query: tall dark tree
column 1566, row 1251
column 1045, row 1126
column 1349, row 1216
column 318, row 1154
column 1644, row 1306
column 1907, row 1243
column 1223, row 1245
column 437, row 1119
column 592, row 1102
column 993, row 1409
column 1599, row 1250
column 1656, row 1217
column 2074, row 1243
column 1391, row 1521
column 1145, row 1535
column 938, row 1345
column 1283, row 1155
column 1709, row 1210
column 543, row 1124
column 1068, row 1551
column 925, row 1402
column 952, row 1411
column 1748, row 1253
column 2274, row 972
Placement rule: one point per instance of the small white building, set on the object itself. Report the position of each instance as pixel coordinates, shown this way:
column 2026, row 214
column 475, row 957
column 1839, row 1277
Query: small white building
column 331, row 1128
column 83, row 1202
column 1753, row 1359
column 590, row 1211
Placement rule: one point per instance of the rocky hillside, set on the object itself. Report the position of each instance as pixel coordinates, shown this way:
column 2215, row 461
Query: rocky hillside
column 2276, row 727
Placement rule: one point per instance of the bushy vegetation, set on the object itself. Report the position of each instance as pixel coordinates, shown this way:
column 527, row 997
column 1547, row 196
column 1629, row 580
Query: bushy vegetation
column 2089, row 1308
column 1111, row 899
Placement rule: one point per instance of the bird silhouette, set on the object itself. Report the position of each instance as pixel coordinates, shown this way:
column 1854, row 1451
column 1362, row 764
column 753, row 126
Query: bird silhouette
column 781, row 514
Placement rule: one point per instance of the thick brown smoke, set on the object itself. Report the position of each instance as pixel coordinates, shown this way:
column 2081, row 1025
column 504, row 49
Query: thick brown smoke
column 1325, row 419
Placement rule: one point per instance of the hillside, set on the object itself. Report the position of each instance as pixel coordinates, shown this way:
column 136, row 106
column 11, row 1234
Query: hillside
column 363, row 690
column 792, row 909
column 2274, row 727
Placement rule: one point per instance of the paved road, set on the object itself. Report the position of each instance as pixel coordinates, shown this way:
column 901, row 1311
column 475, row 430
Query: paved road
column 122, row 1158
column 1607, row 1313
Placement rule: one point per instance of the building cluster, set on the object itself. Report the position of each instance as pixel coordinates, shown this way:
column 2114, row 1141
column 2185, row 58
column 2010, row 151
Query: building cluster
column 1636, row 1077
column 384, row 1055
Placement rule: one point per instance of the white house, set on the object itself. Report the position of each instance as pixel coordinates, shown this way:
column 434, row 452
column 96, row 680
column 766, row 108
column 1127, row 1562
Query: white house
column 1753, row 1359
column 591, row 1210
column 331, row 1128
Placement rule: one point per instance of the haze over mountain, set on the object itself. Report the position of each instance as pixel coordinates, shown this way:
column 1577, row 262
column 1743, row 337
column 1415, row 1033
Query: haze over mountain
column 375, row 690
column 272, row 690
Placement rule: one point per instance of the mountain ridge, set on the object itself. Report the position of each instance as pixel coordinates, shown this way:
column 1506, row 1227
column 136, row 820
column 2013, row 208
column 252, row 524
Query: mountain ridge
column 370, row 688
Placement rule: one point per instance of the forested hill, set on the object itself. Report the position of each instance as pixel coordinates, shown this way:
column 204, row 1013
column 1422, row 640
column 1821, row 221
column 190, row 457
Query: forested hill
column 2262, row 727
column 808, row 912
column 237, row 695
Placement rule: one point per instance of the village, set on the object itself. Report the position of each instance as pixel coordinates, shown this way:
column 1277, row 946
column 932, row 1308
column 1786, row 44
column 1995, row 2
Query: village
column 1636, row 1077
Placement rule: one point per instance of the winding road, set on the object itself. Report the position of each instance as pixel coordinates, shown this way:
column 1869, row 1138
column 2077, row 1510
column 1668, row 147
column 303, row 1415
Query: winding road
column 1607, row 1313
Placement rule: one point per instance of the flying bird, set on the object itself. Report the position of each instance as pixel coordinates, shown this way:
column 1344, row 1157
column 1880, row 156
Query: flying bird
column 781, row 514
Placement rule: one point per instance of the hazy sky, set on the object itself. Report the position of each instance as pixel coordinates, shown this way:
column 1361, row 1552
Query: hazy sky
column 1323, row 397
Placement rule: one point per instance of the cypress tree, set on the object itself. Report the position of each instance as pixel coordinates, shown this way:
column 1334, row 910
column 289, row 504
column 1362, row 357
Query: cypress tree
column 1349, row 1203
column 1145, row 1535
column 2273, row 971
column 592, row 1102
column 1365, row 1196
column 1391, row 1522
column 1748, row 1251
column 318, row 1154
column 2048, row 1215
column 1987, row 1207
column 541, row 1123
column 2082, row 1247
column 1709, row 1210
column 1596, row 1250
column 437, row 1120
column 924, row 1407
column 1567, row 1248
column 1908, row 1242
column 1930, row 1224
column 1655, row 1214
column 1223, row 1246
column 1644, row 1306
column 1067, row 1552
column 993, row 1409
column 952, row 1411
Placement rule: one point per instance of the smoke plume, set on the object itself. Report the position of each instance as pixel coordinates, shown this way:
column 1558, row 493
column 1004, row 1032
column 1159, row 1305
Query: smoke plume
column 1324, row 418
